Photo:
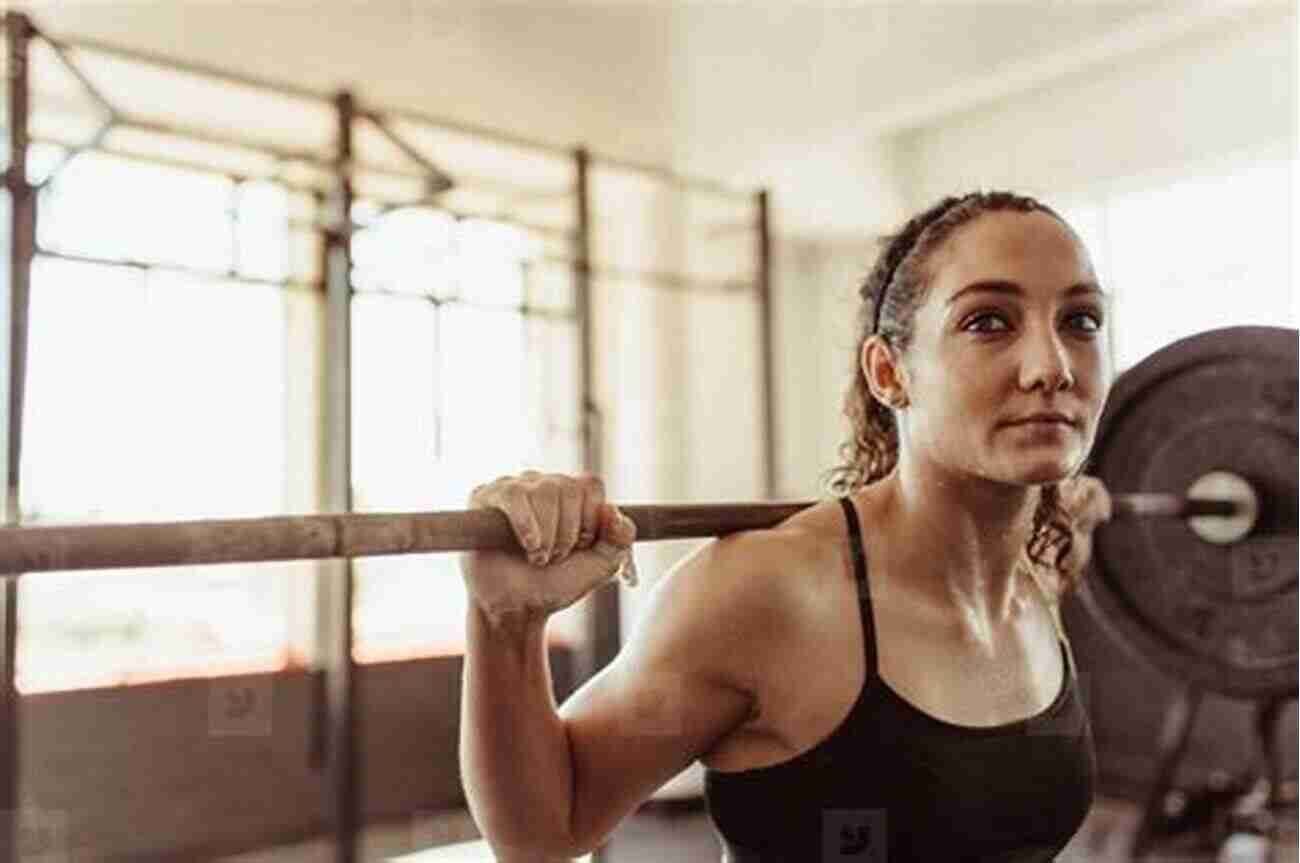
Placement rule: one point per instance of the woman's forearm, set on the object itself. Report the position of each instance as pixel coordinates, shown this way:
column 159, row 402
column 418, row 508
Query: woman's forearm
column 514, row 751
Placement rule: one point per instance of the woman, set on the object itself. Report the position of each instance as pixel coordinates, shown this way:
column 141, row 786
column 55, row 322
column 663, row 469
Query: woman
column 882, row 676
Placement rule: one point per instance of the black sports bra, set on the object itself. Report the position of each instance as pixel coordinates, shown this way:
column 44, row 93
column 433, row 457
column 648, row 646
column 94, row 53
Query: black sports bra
column 893, row 783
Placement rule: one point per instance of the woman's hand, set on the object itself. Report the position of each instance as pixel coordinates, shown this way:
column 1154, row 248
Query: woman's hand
column 573, row 539
column 1088, row 502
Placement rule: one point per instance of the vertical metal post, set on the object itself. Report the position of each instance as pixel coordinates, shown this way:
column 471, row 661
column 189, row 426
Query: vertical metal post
column 767, row 347
column 22, row 248
column 603, row 618
column 603, row 612
column 340, row 714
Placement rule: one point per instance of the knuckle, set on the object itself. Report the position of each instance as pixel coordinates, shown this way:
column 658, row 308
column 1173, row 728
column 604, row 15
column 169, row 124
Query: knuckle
column 484, row 492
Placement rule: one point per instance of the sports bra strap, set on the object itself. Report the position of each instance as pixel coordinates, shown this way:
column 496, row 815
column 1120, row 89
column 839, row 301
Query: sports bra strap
column 855, row 547
column 864, row 592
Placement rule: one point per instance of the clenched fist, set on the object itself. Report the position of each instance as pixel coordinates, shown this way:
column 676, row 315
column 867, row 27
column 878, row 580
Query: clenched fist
column 574, row 541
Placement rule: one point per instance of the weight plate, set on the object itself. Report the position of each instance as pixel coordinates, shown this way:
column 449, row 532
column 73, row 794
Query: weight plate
column 1219, row 617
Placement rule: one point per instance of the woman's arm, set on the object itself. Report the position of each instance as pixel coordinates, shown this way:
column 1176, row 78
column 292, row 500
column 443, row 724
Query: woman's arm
column 561, row 781
column 685, row 679
column 514, row 751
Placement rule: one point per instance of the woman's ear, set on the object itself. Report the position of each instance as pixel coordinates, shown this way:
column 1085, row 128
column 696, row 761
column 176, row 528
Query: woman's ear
column 885, row 376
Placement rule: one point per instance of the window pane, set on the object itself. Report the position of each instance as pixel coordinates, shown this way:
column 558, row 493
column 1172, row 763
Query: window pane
column 549, row 286
column 263, row 231
column 105, row 207
column 490, row 256
column 140, row 392
column 482, row 366
column 443, row 400
column 1201, row 253
column 552, row 406
column 103, row 628
column 394, row 393
column 408, row 251
column 150, row 397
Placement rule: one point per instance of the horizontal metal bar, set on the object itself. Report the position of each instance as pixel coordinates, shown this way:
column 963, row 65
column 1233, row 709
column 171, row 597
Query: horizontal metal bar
column 464, row 181
column 215, row 275
column 325, row 163
column 264, row 147
column 664, row 175
column 83, row 43
column 528, row 311
column 314, row 287
column 270, row 176
column 535, row 227
column 658, row 278
column 217, row 73
column 305, row 537
column 673, row 178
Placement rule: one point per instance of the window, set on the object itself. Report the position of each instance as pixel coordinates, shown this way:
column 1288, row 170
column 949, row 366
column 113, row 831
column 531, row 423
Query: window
column 1201, row 252
column 161, row 387
column 153, row 395
column 456, row 379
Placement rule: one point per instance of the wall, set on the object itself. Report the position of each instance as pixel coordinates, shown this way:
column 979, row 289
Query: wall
column 195, row 768
column 1155, row 116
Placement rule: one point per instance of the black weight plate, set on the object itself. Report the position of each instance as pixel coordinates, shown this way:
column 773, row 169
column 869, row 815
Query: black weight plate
column 1220, row 617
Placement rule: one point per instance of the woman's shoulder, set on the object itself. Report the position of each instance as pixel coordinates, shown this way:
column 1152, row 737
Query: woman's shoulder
column 760, row 580
column 802, row 541
column 786, row 565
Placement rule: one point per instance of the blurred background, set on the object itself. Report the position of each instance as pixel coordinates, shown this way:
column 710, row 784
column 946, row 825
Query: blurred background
column 620, row 236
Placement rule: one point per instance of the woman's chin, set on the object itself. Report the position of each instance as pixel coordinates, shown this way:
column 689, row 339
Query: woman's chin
column 1044, row 471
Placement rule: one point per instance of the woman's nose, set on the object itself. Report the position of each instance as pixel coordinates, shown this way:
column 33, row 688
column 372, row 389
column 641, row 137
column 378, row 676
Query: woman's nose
column 1045, row 362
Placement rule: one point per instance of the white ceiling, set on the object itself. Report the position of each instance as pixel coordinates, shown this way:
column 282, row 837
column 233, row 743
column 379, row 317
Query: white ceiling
column 750, row 91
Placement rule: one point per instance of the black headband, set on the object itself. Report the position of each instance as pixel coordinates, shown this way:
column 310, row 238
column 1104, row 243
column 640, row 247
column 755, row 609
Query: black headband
column 880, row 299
column 889, row 277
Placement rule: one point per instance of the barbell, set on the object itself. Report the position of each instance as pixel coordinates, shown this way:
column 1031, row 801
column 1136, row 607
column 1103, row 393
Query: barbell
column 1197, row 572
column 306, row 537
column 177, row 543
column 1218, row 616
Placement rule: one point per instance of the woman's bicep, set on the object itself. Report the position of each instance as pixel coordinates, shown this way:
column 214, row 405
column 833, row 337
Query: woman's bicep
column 670, row 695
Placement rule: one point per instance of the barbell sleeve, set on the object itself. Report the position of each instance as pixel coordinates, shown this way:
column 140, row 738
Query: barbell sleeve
column 1170, row 506
column 307, row 537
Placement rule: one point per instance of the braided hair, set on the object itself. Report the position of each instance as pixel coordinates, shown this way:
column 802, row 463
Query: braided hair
column 890, row 294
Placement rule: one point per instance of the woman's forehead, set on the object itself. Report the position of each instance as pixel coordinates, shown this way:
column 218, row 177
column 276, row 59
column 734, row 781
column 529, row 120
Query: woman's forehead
column 1005, row 245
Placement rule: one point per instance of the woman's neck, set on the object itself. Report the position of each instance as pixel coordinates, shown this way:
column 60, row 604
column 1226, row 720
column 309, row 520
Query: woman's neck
column 964, row 539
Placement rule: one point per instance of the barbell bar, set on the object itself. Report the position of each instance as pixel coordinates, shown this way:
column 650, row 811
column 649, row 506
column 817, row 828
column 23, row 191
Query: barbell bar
column 305, row 537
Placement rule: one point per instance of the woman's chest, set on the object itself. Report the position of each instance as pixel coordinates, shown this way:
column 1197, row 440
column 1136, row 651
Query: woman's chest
column 809, row 686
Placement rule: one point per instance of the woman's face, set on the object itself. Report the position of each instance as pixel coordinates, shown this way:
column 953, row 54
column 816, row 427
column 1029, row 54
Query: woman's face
column 1013, row 325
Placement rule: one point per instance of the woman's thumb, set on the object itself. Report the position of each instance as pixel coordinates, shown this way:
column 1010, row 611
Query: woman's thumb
column 617, row 533
column 615, row 527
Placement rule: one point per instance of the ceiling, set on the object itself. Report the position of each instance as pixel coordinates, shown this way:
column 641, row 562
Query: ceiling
column 752, row 91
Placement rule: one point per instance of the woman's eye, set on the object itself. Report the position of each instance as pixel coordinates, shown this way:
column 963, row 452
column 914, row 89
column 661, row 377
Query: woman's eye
column 1092, row 321
column 986, row 323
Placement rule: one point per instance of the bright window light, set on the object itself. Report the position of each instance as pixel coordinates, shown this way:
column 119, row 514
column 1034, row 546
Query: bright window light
column 151, row 396
column 446, row 397
column 1202, row 252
